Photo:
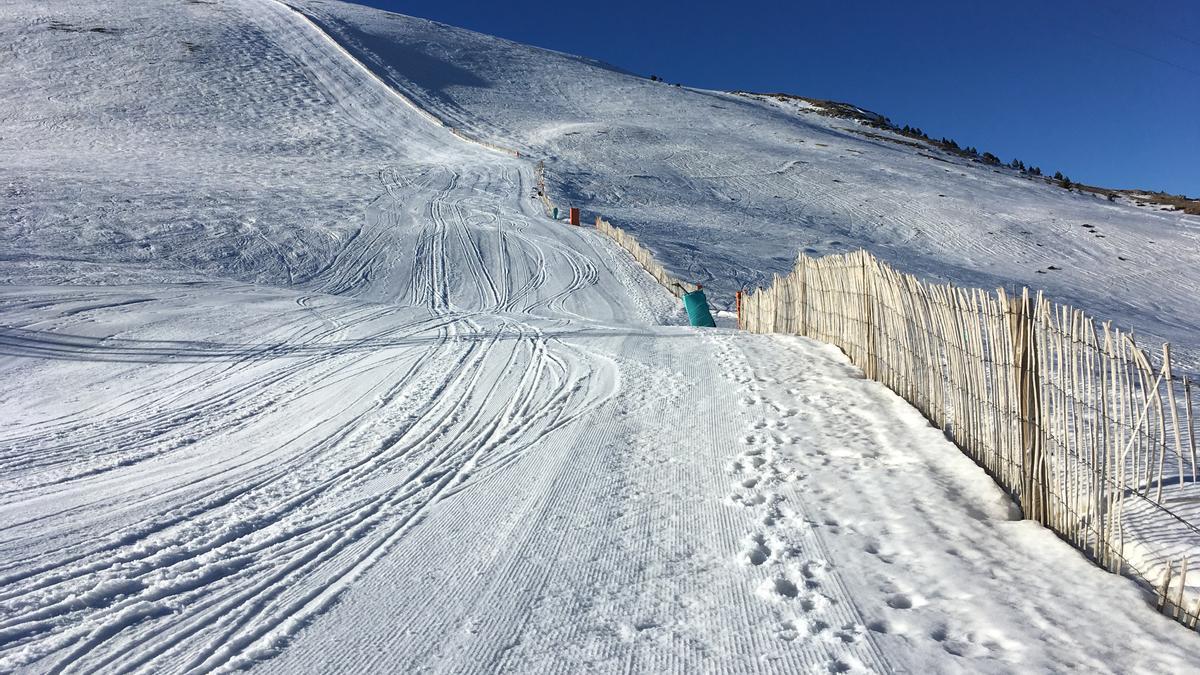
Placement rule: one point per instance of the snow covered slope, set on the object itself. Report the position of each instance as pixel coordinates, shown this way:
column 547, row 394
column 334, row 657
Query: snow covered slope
column 727, row 189
column 299, row 381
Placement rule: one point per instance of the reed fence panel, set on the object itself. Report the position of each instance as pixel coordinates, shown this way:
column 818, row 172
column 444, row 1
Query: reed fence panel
column 1090, row 433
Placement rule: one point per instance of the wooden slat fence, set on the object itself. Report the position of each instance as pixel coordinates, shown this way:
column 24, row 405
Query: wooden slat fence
column 487, row 144
column 630, row 243
column 1091, row 434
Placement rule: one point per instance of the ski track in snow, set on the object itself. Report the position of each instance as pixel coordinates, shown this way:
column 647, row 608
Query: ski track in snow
column 397, row 420
column 219, row 535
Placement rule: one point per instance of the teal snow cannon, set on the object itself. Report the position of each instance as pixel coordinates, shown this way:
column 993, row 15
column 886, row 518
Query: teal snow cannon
column 697, row 309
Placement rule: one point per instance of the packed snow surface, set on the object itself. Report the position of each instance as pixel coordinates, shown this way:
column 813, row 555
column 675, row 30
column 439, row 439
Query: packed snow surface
column 296, row 380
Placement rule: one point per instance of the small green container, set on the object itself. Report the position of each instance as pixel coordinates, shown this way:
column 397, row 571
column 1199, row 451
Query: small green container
column 697, row 309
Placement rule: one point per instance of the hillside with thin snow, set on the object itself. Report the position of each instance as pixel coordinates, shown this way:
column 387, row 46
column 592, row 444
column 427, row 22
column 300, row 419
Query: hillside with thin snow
column 298, row 380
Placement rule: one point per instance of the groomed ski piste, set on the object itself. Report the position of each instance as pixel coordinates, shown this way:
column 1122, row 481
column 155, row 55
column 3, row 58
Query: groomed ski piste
column 297, row 380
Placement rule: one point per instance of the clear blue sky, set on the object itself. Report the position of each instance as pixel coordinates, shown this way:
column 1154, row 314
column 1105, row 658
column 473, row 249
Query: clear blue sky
column 1107, row 91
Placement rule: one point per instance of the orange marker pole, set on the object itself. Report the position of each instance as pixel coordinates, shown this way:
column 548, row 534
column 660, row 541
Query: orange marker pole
column 738, row 303
column 575, row 215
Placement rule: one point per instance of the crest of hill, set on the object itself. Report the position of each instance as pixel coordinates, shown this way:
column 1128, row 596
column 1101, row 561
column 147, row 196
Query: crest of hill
column 848, row 111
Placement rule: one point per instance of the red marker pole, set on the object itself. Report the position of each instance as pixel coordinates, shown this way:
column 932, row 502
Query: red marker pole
column 738, row 300
column 575, row 215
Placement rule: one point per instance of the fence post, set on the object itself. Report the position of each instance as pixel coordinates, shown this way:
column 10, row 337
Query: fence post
column 804, row 294
column 868, row 364
column 777, row 316
column 737, row 297
column 1033, row 495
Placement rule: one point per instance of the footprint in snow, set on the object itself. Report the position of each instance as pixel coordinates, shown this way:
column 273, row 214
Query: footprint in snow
column 780, row 587
column 875, row 549
column 748, row 501
column 838, row 666
column 787, row 631
column 757, row 552
column 814, row 570
column 879, row 626
column 850, row 633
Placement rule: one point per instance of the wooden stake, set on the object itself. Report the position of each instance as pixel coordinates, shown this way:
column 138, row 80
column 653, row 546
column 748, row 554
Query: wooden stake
column 1166, row 585
column 1183, row 570
column 1174, row 413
